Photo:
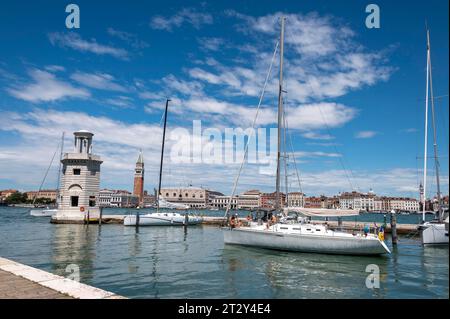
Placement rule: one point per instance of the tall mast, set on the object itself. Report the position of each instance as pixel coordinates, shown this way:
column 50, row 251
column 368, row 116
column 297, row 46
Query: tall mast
column 436, row 160
column 280, row 114
column 285, row 158
column 426, row 138
column 162, row 154
column 59, row 168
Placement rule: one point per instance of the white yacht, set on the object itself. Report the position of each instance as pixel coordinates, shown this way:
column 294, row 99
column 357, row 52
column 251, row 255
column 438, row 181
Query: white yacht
column 162, row 219
column 305, row 237
column 298, row 234
column 43, row 212
column 434, row 233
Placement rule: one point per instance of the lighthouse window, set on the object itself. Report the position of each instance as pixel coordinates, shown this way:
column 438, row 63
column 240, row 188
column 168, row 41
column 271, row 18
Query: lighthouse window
column 76, row 171
column 74, row 201
column 91, row 201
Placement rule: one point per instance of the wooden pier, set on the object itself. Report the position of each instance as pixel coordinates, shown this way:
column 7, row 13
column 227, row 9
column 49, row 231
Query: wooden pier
column 18, row 281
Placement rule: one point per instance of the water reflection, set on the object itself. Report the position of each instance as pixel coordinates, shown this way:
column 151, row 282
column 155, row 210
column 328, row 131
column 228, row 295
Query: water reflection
column 74, row 244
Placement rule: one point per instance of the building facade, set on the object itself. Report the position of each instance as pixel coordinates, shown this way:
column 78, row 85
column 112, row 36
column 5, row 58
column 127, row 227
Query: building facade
column 268, row 200
column 221, row 202
column 296, row 199
column 195, row 197
column 357, row 201
column 249, row 200
column 45, row 193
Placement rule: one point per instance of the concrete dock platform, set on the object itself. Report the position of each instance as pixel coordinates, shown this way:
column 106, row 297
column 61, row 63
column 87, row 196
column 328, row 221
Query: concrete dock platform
column 18, row 281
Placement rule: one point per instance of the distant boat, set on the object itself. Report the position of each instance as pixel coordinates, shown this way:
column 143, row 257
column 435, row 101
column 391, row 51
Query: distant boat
column 163, row 218
column 46, row 212
column 296, row 233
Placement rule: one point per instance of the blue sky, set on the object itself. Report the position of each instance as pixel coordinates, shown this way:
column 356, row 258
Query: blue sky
column 355, row 101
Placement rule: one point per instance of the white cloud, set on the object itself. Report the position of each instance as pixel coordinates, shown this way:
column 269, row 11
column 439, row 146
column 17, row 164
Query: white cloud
column 365, row 134
column 317, row 136
column 74, row 41
column 184, row 16
column 55, row 68
column 101, row 81
column 409, row 130
column 318, row 115
column 322, row 59
column 123, row 102
column 46, row 88
column 211, row 43
column 129, row 38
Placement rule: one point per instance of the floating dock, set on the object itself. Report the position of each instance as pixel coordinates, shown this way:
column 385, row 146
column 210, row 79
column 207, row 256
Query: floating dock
column 18, row 281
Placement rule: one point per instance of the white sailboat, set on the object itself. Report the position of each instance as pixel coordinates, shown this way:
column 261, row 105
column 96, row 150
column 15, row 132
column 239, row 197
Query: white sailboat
column 433, row 232
column 163, row 218
column 298, row 234
column 47, row 211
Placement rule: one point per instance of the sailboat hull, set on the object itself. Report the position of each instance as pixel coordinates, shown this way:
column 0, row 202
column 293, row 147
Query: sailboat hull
column 161, row 219
column 304, row 243
column 434, row 234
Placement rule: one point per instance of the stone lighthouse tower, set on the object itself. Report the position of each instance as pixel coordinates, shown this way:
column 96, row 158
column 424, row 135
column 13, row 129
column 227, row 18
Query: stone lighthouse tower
column 138, row 189
column 80, row 181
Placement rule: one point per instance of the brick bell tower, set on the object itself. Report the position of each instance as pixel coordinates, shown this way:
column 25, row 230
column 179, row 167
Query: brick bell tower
column 138, row 189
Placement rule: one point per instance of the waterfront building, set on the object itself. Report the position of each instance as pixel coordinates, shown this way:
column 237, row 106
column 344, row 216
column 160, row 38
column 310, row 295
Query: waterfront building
column 80, row 180
column 211, row 196
column 117, row 198
column 249, row 200
column 195, row 197
column 138, row 189
column 104, row 197
column 404, row 204
column 313, row 202
column 4, row 194
column 268, row 200
column 221, row 202
column 296, row 199
column 45, row 193
column 356, row 200
column 124, row 199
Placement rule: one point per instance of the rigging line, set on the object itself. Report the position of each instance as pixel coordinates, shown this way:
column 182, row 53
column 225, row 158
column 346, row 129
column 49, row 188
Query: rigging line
column 45, row 176
column 251, row 132
column 292, row 147
column 336, row 150
column 285, row 154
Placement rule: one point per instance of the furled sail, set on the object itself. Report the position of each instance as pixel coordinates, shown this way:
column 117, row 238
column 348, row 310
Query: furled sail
column 322, row 212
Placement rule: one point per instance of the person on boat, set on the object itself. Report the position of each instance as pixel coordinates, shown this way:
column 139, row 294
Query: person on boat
column 366, row 230
column 233, row 221
column 274, row 219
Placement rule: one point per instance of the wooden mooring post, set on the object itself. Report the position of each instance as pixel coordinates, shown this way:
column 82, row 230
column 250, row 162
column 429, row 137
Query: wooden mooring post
column 101, row 216
column 394, row 228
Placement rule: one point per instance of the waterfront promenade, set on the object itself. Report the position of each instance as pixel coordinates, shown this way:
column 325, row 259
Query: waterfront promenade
column 18, row 281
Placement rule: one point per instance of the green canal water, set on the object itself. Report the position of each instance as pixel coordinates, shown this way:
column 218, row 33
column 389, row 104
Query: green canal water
column 173, row 262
